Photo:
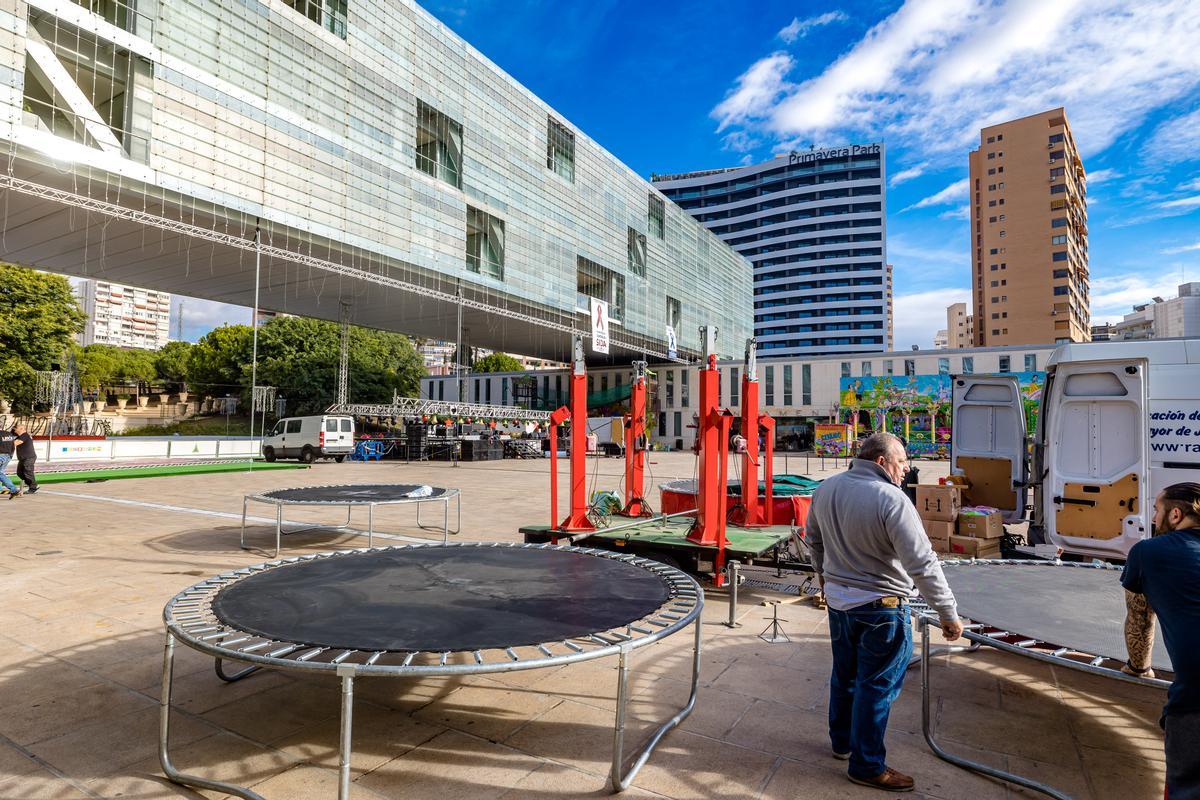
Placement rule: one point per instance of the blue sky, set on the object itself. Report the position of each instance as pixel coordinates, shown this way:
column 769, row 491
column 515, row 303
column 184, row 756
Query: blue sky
column 672, row 86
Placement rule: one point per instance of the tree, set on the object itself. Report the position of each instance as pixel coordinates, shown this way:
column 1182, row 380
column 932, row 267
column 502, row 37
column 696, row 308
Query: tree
column 97, row 364
column 498, row 362
column 39, row 316
column 171, row 365
column 218, row 364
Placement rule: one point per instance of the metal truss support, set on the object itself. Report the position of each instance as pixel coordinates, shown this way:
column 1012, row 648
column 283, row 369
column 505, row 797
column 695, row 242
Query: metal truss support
column 343, row 387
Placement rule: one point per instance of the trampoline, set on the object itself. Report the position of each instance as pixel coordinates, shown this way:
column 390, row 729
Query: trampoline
column 1067, row 614
column 356, row 494
column 434, row 610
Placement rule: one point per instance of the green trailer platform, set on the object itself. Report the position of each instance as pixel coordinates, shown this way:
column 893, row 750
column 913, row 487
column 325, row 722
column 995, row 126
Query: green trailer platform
column 667, row 542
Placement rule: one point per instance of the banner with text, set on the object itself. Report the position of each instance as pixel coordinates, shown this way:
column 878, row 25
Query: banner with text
column 599, row 326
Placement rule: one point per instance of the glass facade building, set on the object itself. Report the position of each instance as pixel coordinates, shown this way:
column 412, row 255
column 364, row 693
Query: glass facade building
column 812, row 224
column 387, row 164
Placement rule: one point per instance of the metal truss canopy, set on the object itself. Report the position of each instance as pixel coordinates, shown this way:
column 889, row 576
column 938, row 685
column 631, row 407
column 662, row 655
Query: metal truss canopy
column 416, row 407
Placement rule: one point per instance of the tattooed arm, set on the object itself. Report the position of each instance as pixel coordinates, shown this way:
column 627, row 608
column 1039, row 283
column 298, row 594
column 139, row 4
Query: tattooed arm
column 1139, row 634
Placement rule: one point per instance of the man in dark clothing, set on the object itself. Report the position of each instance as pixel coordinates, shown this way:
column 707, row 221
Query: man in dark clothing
column 1162, row 578
column 7, row 440
column 26, row 458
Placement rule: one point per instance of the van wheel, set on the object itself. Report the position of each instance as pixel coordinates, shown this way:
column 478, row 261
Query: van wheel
column 339, row 459
column 307, row 456
column 269, row 453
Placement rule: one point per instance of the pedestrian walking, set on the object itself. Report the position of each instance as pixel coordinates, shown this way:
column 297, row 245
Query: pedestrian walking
column 870, row 552
column 7, row 442
column 26, row 457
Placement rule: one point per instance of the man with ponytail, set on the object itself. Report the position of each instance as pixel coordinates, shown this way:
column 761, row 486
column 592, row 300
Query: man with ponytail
column 1162, row 578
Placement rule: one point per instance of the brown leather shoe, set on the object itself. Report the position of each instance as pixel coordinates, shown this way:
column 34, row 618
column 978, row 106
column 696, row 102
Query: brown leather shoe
column 889, row 781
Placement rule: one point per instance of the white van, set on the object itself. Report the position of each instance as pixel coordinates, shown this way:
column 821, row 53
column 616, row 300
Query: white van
column 310, row 438
column 1117, row 423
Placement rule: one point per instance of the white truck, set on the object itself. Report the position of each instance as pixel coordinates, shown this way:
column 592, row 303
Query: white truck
column 310, row 438
column 1117, row 423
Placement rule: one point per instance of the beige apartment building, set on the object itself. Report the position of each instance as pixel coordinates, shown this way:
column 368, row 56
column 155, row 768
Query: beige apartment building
column 960, row 327
column 1029, row 278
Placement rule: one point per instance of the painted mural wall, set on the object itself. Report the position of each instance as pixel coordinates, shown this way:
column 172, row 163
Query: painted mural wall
column 917, row 408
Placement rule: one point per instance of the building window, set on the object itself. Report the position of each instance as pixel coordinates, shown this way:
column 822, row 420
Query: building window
column 968, row 365
column 329, row 14
column 735, row 387
column 1031, row 362
column 910, row 367
column 560, row 149
column 485, row 244
column 806, row 384
column 845, row 369
column 787, row 384
column 1005, row 361
column 1058, row 222
column 1061, row 290
column 770, row 390
column 684, row 398
column 943, row 366
column 889, row 367
column 657, row 216
column 593, row 280
column 1061, row 273
column 637, row 253
column 439, row 145
column 670, row 388
column 866, row 369
column 675, row 315
column 1061, row 255
column 678, row 419
column 1060, row 239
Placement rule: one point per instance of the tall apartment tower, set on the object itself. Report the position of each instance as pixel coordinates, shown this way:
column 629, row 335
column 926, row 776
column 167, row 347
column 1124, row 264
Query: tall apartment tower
column 960, row 327
column 124, row 316
column 1029, row 282
column 812, row 225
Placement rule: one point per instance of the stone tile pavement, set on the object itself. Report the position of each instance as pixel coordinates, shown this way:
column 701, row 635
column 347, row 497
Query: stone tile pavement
column 85, row 570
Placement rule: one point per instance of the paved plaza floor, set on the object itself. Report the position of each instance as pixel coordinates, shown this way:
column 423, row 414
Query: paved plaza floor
column 85, row 570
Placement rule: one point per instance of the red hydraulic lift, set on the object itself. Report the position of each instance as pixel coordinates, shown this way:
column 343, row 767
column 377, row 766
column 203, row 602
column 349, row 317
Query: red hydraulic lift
column 635, row 446
column 708, row 529
column 757, row 515
column 577, row 520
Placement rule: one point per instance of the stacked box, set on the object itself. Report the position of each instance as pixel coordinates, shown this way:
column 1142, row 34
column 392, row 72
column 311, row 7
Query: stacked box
column 938, row 507
column 939, row 533
column 971, row 547
column 981, row 523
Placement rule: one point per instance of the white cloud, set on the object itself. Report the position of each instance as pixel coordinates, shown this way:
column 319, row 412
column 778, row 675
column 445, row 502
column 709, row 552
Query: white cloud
column 1182, row 203
column 915, row 171
column 1115, row 296
column 1177, row 139
column 1100, row 176
column 799, row 28
column 919, row 315
column 756, row 90
column 1190, row 186
column 1184, row 248
column 903, row 250
column 935, row 71
column 962, row 212
column 951, row 194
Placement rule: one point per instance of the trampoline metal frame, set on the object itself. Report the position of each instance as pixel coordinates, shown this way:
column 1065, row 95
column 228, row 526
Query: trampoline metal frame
column 189, row 619
column 980, row 634
column 444, row 498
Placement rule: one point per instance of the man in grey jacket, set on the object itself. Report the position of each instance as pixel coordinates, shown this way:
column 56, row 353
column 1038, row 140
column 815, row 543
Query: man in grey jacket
column 869, row 549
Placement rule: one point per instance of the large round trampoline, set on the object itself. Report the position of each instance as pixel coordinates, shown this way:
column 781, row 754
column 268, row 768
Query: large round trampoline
column 427, row 610
column 1068, row 614
column 354, row 495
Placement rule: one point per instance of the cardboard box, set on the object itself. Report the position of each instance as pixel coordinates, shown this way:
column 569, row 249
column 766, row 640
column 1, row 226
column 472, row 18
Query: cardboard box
column 970, row 547
column 981, row 526
column 939, row 534
column 939, row 502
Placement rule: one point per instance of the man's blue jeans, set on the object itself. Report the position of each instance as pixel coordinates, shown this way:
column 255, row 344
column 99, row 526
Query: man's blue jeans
column 871, row 649
column 4, row 479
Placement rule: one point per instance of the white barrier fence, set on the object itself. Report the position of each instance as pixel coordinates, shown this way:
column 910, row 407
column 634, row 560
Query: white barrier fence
column 118, row 448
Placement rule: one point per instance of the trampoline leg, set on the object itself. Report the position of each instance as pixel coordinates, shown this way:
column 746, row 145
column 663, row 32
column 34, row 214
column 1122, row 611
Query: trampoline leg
column 445, row 521
column 278, row 527
column 164, row 736
column 344, row 748
column 963, row 763
column 218, row 667
column 370, row 523
column 243, row 539
column 620, row 782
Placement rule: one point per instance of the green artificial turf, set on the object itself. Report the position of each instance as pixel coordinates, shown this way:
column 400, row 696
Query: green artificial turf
column 117, row 473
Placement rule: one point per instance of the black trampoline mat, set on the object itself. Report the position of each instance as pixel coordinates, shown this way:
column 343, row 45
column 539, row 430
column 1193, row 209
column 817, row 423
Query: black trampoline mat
column 1075, row 607
column 352, row 493
column 441, row 599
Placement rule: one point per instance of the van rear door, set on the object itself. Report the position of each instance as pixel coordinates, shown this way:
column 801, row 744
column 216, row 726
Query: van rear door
column 987, row 442
column 1096, row 494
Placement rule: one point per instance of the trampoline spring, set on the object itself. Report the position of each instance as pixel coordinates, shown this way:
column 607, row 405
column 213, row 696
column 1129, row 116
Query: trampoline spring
column 640, row 629
column 511, row 654
column 254, row 647
column 444, row 659
column 239, row 640
column 1026, row 643
column 311, row 654
column 478, row 657
column 202, row 630
column 1097, row 661
column 283, row 651
column 620, row 637
column 408, row 659
column 213, row 636
column 375, row 657
column 595, row 637
column 545, row 650
column 669, row 615
column 659, row 624
column 574, row 647
column 1060, row 652
column 343, row 656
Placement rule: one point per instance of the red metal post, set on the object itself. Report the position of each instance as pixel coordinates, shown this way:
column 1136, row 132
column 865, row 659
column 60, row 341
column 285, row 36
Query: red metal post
column 578, row 520
column 709, row 526
column 750, row 461
column 635, row 451
column 768, row 425
column 559, row 416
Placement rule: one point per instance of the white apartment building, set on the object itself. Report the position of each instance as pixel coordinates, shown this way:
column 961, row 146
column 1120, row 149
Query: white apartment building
column 1163, row 319
column 125, row 316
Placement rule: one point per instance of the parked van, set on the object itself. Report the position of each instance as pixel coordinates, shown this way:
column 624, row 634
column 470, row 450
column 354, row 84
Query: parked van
column 310, row 438
column 1117, row 423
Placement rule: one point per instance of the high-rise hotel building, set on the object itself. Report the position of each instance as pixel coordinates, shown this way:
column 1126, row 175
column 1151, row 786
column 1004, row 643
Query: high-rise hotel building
column 1029, row 282
column 811, row 225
